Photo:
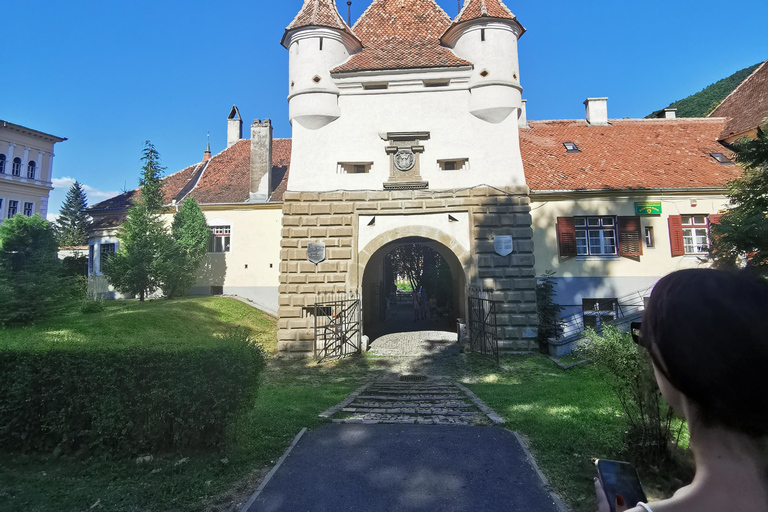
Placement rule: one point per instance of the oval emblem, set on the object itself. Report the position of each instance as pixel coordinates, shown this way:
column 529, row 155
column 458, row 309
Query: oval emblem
column 405, row 160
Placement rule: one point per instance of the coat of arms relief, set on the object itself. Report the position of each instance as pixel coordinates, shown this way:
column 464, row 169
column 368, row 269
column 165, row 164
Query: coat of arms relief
column 404, row 150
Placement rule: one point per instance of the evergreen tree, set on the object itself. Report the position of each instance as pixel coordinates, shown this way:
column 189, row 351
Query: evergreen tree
column 151, row 179
column 72, row 224
column 184, row 251
column 742, row 235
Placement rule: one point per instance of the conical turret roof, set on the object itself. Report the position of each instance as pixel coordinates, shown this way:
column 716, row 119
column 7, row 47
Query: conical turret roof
column 400, row 34
column 476, row 9
column 319, row 13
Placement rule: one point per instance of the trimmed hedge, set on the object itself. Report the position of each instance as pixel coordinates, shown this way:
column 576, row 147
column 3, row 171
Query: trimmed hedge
column 127, row 401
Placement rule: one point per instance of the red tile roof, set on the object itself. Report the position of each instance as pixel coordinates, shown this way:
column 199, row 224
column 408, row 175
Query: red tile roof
column 628, row 154
column 320, row 13
column 483, row 8
column 224, row 179
column 747, row 106
column 399, row 34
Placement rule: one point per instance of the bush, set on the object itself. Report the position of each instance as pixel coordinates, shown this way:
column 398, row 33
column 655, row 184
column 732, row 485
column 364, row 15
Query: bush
column 92, row 305
column 631, row 373
column 129, row 401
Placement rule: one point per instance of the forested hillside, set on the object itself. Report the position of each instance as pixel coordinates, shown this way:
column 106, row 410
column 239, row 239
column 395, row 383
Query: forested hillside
column 703, row 102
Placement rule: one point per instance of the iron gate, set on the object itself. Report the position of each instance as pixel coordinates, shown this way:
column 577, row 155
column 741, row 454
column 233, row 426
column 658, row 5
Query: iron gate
column 483, row 331
column 337, row 329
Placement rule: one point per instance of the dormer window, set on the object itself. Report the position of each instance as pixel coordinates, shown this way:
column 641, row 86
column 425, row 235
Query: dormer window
column 571, row 147
column 721, row 158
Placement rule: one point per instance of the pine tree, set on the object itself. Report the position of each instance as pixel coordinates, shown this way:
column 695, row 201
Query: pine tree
column 742, row 235
column 72, row 224
column 151, row 179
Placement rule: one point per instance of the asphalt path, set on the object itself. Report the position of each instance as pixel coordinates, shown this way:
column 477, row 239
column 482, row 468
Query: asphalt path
column 351, row 467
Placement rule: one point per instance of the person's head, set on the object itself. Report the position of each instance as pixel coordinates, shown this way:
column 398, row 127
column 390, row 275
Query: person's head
column 707, row 333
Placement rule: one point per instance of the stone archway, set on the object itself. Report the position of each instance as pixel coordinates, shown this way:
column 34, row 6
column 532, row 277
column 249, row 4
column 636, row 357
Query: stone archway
column 371, row 264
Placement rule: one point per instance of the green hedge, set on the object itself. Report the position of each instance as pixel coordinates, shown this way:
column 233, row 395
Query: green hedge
column 129, row 401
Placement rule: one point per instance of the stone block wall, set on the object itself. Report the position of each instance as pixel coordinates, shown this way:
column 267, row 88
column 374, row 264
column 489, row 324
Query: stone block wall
column 332, row 218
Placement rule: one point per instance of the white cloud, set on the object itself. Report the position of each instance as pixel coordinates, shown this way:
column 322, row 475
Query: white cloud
column 93, row 194
column 52, row 217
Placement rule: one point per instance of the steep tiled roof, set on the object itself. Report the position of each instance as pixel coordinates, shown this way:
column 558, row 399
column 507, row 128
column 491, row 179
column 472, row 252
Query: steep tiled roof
column 399, row 34
column 319, row 13
column 483, row 8
column 747, row 106
column 224, row 179
column 628, row 154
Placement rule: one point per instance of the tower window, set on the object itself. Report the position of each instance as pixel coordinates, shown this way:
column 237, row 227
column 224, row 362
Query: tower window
column 16, row 170
column 31, row 169
column 482, row 34
column 316, row 79
column 321, row 44
column 484, row 73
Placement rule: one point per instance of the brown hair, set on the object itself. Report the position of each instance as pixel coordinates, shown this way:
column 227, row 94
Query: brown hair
column 707, row 331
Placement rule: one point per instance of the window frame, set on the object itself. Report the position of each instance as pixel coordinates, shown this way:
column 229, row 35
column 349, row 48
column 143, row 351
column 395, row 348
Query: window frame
column 649, row 236
column 31, row 170
column 226, row 233
column 29, row 206
column 15, row 203
column 3, row 159
column 16, row 167
column 692, row 228
column 105, row 255
column 595, row 228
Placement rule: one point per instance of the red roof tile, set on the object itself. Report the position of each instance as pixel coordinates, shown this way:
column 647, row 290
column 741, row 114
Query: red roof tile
column 399, row 34
column 320, row 13
column 628, row 154
column 483, row 8
column 747, row 106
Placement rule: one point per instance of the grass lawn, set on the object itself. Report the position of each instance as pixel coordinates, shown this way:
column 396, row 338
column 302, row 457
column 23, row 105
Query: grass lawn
column 292, row 395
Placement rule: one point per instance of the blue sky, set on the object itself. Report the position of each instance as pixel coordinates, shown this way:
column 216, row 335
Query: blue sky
column 109, row 75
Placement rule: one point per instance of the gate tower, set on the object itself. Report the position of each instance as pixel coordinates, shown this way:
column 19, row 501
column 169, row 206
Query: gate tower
column 405, row 128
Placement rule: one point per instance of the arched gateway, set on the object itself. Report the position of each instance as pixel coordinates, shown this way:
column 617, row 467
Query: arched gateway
column 411, row 142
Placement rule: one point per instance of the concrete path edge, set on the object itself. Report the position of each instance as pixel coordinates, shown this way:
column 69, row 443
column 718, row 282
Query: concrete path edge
column 492, row 415
column 544, row 481
column 272, row 472
column 351, row 398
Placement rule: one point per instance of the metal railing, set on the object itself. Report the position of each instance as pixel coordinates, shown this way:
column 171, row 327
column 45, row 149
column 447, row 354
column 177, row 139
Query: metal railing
column 483, row 329
column 338, row 332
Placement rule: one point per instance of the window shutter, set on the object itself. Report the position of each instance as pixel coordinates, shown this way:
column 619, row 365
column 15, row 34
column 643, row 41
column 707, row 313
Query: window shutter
column 630, row 238
column 566, row 236
column 714, row 219
column 676, row 241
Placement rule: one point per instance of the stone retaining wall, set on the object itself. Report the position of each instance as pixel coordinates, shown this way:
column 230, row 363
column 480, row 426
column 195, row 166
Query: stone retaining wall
column 332, row 218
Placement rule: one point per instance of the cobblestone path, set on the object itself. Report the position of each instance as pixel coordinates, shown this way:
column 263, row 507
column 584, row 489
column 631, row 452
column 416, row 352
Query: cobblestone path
column 435, row 402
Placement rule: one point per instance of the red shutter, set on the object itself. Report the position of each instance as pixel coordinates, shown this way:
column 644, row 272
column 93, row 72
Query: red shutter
column 676, row 241
column 715, row 219
column 630, row 238
column 566, row 236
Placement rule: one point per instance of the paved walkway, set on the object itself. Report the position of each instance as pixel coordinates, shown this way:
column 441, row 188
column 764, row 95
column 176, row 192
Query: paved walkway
column 342, row 467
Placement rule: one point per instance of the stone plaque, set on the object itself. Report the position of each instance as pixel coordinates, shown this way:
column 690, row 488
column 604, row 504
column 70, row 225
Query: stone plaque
column 316, row 253
column 404, row 149
column 503, row 245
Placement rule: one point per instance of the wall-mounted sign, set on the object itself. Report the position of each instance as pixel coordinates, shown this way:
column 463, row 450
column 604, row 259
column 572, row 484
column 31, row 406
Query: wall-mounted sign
column 503, row 245
column 316, row 253
column 652, row 208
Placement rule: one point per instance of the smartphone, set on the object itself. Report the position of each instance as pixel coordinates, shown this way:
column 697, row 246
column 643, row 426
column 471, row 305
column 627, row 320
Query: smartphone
column 620, row 478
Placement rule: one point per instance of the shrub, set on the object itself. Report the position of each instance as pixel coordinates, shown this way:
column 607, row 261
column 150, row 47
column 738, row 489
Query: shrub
column 92, row 305
column 631, row 374
column 128, row 401
column 550, row 324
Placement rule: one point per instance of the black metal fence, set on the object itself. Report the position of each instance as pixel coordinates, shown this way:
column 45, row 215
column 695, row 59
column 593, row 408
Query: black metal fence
column 483, row 330
column 337, row 328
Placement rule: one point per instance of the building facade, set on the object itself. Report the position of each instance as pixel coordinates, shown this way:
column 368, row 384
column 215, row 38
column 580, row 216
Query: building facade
column 26, row 170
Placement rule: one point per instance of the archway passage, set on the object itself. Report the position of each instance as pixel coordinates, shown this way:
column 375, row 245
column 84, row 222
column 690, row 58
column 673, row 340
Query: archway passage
column 407, row 272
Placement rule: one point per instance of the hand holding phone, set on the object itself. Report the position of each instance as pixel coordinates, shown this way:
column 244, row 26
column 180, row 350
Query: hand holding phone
column 620, row 479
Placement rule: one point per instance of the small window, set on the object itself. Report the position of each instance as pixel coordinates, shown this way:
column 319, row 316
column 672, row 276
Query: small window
column 220, row 239
column 571, row 147
column 649, row 241
column 28, row 209
column 316, row 79
column 454, row 164
column 482, row 34
column 13, row 208
column 321, row 44
column 2, row 163
column 484, row 73
column 354, row 167
column 105, row 252
column 376, row 86
column 437, row 83
column 16, row 171
column 721, row 158
column 31, row 169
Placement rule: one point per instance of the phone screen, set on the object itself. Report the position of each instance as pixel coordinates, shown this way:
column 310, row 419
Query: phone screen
column 620, row 478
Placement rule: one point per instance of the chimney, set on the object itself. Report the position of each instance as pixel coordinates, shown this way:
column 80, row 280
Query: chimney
column 670, row 113
column 261, row 160
column 234, row 126
column 597, row 111
column 522, row 118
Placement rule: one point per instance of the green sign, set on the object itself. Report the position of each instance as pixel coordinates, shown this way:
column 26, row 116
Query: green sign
column 652, row 208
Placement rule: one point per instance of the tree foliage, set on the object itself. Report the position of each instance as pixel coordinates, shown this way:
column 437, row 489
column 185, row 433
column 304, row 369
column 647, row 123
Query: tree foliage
column 151, row 181
column 184, row 250
column 423, row 267
column 33, row 284
column 550, row 324
column 706, row 100
column 742, row 235
column 72, row 224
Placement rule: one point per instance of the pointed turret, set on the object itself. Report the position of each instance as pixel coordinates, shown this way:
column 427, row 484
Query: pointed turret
column 207, row 154
column 318, row 40
column 485, row 33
